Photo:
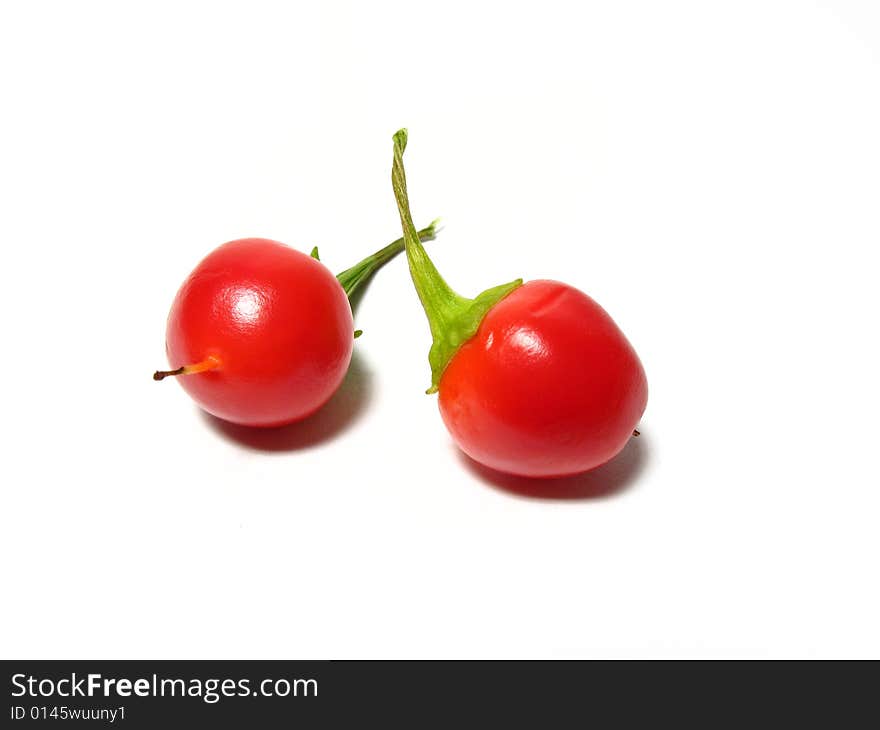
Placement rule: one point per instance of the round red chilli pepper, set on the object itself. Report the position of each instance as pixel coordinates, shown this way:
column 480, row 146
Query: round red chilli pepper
column 534, row 379
column 265, row 331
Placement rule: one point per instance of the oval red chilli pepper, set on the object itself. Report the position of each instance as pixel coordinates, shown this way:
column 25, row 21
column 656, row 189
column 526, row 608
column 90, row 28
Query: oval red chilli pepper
column 534, row 379
column 265, row 332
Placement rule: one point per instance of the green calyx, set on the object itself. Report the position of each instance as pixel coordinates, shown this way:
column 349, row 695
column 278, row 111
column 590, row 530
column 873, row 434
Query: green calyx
column 453, row 319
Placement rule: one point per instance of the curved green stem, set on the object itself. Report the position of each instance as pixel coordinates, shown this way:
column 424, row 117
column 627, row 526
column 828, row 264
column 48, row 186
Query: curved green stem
column 453, row 319
column 354, row 278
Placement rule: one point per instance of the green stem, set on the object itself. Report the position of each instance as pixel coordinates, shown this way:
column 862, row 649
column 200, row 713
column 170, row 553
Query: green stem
column 453, row 319
column 354, row 278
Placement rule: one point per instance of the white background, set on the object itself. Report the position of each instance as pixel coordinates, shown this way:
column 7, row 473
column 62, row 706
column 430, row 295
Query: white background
column 706, row 171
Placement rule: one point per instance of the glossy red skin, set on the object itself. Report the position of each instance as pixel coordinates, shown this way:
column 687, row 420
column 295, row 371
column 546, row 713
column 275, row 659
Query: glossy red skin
column 548, row 386
column 280, row 324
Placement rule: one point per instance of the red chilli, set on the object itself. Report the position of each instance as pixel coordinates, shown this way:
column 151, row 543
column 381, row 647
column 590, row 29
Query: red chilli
column 534, row 379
